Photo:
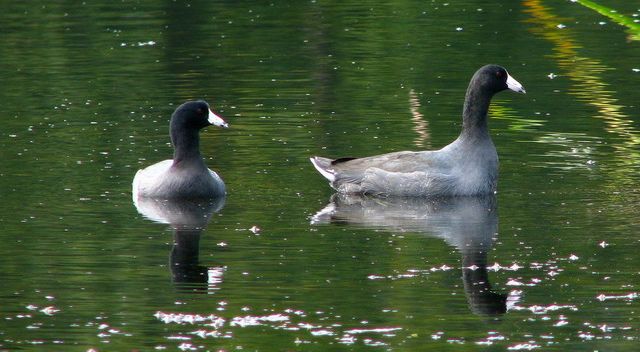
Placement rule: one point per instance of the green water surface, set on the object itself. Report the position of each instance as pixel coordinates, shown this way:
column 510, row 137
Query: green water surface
column 87, row 89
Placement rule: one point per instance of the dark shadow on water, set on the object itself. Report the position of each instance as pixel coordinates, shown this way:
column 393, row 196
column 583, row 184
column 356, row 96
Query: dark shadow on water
column 470, row 224
column 187, row 219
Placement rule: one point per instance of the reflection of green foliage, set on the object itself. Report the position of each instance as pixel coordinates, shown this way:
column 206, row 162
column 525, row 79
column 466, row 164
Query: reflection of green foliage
column 633, row 28
column 516, row 123
column 590, row 85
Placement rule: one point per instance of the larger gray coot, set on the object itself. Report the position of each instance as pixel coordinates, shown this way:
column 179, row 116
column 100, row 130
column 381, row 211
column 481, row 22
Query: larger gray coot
column 186, row 176
column 467, row 166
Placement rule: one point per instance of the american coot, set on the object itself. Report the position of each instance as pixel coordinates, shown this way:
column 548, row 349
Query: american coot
column 186, row 176
column 467, row 166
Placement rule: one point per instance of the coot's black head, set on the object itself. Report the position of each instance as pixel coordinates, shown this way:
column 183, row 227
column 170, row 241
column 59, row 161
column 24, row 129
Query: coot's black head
column 195, row 115
column 494, row 79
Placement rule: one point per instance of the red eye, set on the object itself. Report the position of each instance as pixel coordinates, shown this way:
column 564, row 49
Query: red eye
column 499, row 74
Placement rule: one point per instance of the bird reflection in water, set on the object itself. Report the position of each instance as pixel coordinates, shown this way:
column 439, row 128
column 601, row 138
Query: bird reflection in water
column 187, row 219
column 468, row 223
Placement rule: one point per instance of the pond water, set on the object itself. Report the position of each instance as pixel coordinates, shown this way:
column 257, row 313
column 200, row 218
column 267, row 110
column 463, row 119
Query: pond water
column 550, row 263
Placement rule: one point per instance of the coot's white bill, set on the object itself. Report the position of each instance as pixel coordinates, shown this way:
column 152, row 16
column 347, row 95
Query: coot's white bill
column 514, row 85
column 216, row 120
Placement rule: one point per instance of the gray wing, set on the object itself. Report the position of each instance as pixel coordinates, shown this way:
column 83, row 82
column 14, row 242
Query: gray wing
column 402, row 172
column 398, row 162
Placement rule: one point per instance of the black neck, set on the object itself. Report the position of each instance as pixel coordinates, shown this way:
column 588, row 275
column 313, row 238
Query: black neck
column 186, row 145
column 474, row 112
